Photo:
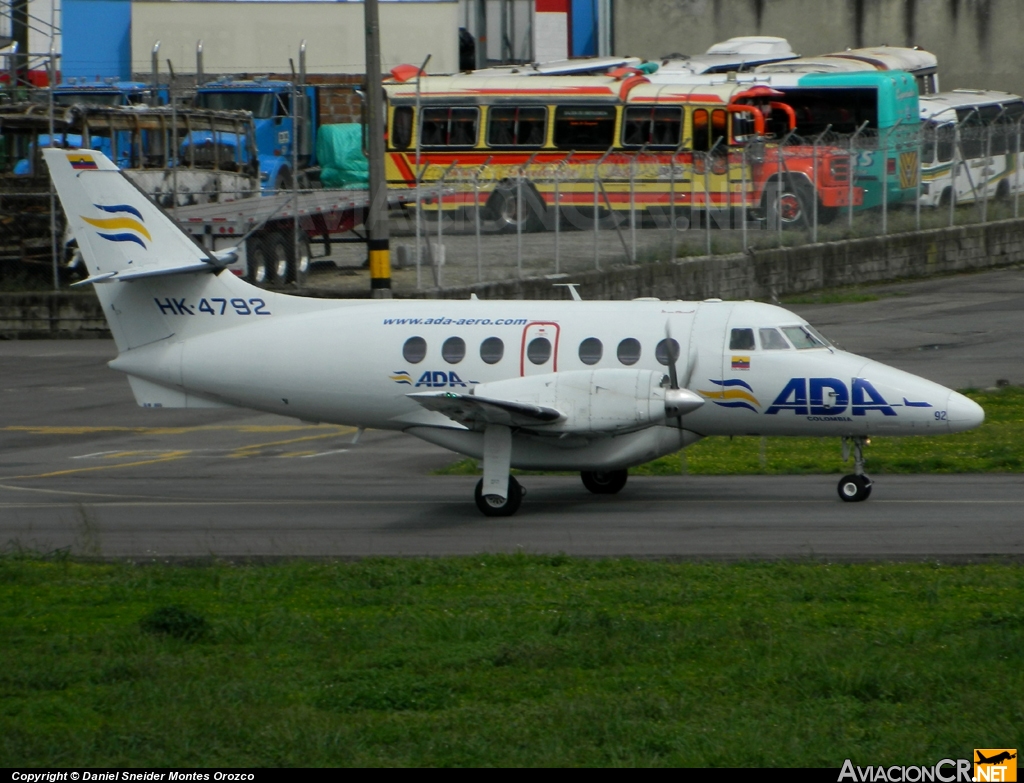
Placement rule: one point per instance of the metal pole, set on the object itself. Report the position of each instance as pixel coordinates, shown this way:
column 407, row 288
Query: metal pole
column 885, row 178
column 814, row 203
column 200, row 72
column 378, row 243
column 476, row 220
column 632, row 204
column 746, row 196
column 672, row 202
column 558, row 211
column 920, row 171
column 153, row 99
column 296, row 135
column 52, row 77
column 952, row 181
column 851, row 174
column 417, row 125
column 519, row 223
column 438, row 254
column 1016, row 175
column 988, row 165
column 707, row 201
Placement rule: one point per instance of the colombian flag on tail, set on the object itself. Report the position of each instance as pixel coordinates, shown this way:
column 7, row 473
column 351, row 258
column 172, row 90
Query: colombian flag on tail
column 81, row 160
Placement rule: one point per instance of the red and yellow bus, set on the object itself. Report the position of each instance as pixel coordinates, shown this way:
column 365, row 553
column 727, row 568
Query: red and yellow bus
column 617, row 138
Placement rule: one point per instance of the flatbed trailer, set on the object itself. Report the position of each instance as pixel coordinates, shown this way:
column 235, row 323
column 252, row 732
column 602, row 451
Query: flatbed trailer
column 261, row 230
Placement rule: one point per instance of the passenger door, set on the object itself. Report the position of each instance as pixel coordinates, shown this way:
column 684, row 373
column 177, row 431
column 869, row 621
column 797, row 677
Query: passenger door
column 538, row 353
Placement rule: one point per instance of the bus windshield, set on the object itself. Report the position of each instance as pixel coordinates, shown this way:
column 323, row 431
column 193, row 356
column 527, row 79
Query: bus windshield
column 90, row 98
column 845, row 110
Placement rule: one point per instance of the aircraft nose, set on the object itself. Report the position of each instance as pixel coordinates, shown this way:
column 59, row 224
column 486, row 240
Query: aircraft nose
column 963, row 413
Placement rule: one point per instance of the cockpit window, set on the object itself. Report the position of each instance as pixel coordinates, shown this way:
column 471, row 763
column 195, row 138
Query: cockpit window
column 804, row 337
column 771, row 340
column 741, row 340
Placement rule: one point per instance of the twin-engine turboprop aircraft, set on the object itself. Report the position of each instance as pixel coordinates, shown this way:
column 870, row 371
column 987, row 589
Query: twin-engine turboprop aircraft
column 596, row 387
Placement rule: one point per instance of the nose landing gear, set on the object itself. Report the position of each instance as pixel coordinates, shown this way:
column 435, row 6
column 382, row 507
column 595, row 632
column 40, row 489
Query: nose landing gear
column 856, row 486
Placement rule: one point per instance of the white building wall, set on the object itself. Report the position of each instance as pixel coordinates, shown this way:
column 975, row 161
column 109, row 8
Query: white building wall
column 260, row 37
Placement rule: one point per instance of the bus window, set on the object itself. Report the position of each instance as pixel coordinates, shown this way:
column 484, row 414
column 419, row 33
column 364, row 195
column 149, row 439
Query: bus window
column 584, row 127
column 516, row 127
column 653, row 126
column 449, row 127
column 719, row 128
column 972, row 135
column 401, row 128
column 945, row 140
column 700, row 131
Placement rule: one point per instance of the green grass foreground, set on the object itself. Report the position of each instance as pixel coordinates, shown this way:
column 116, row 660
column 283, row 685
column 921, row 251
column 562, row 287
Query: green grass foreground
column 997, row 446
column 507, row 660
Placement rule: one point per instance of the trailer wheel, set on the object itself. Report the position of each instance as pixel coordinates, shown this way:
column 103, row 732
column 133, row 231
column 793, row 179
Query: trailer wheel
column 259, row 260
column 298, row 269
column 277, row 270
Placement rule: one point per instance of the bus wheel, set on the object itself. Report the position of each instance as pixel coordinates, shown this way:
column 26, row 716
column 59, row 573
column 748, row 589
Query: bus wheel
column 789, row 203
column 1003, row 191
column 508, row 213
column 944, row 198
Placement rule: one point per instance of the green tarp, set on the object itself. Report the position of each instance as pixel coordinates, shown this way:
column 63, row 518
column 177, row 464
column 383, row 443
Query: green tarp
column 339, row 148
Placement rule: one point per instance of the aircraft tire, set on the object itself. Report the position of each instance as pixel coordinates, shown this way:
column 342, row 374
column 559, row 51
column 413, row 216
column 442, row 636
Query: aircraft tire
column 490, row 506
column 853, row 489
column 604, row 482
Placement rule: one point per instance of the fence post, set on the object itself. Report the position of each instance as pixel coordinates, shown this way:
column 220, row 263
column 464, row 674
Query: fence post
column 476, row 222
column 558, row 211
column 519, row 223
column 438, row 256
column 953, row 170
column 746, row 195
column 814, row 164
column 597, row 181
column 672, row 201
column 852, row 174
column 1016, row 175
column 920, row 172
column 885, row 178
column 632, row 204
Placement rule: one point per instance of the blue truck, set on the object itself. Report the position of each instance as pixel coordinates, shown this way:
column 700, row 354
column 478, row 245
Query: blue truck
column 110, row 92
column 279, row 125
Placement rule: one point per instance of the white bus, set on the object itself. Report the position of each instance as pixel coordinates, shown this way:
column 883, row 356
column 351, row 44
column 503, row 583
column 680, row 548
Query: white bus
column 975, row 131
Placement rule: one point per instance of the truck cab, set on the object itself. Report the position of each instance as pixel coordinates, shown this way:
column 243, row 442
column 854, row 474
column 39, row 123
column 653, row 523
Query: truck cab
column 278, row 124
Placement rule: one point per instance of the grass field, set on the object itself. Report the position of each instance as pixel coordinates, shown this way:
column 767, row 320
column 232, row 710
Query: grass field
column 996, row 446
column 507, row 660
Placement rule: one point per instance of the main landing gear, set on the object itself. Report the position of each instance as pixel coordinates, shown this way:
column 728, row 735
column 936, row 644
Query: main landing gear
column 604, row 482
column 855, row 487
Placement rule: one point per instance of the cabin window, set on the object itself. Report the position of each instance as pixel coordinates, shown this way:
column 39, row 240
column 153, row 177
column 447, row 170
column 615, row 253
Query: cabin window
column 584, row 127
column 453, row 350
column 491, row 350
column 449, row 127
column 771, row 340
column 741, row 340
column 401, row 128
column 667, row 351
column 804, row 337
column 539, row 350
column 591, row 351
column 516, row 127
column 629, row 351
column 652, row 126
column 414, row 350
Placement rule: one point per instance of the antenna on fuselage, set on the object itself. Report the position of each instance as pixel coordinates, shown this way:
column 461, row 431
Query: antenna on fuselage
column 572, row 290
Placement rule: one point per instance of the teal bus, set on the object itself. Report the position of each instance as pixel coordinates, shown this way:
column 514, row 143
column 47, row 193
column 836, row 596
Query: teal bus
column 875, row 114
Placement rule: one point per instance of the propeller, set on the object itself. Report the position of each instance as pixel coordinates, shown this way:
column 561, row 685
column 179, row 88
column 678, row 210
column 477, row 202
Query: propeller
column 678, row 401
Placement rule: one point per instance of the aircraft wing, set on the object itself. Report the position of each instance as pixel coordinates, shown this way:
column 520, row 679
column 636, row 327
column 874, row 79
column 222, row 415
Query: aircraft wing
column 476, row 412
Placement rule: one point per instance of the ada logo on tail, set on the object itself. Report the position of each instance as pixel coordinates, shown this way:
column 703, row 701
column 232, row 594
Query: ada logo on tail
column 119, row 224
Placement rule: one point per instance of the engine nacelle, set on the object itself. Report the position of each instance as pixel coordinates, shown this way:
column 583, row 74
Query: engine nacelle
column 608, row 400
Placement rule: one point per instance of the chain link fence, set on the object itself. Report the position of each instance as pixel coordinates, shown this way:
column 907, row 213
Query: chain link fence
column 559, row 215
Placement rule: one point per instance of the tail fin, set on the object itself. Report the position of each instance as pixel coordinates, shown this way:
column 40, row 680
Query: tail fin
column 119, row 230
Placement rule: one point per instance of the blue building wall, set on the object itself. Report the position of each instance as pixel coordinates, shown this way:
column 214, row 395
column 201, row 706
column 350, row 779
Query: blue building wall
column 97, row 38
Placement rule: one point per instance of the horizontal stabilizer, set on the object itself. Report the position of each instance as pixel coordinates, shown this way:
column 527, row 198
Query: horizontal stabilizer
column 144, row 272
column 476, row 412
column 155, row 395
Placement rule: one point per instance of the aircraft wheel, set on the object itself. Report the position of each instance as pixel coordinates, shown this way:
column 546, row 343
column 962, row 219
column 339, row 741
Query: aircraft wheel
column 493, row 506
column 853, row 489
column 604, row 482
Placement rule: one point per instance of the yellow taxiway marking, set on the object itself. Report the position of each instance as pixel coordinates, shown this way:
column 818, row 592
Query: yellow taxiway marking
column 243, row 428
column 171, row 456
column 249, row 451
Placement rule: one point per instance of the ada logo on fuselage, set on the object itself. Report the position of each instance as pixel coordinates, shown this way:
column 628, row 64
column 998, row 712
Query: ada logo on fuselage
column 830, row 397
column 432, row 379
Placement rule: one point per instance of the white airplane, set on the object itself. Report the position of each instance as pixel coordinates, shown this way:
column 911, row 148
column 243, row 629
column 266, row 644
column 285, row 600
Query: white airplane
column 596, row 387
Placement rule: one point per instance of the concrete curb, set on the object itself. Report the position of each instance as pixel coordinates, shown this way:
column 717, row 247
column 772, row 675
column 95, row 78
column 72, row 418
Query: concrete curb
column 762, row 274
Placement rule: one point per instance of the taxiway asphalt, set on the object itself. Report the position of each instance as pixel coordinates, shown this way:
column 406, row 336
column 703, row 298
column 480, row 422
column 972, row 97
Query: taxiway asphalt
column 82, row 467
